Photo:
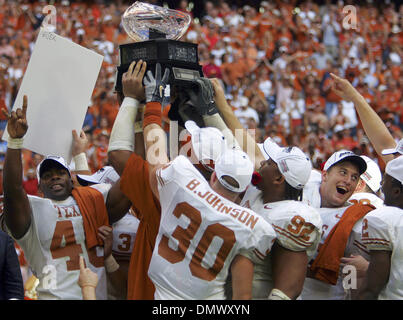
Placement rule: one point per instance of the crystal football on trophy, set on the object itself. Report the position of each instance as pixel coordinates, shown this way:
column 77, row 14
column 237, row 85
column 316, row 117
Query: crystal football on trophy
column 155, row 31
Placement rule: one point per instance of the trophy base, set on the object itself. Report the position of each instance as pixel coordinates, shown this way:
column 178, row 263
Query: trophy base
column 180, row 57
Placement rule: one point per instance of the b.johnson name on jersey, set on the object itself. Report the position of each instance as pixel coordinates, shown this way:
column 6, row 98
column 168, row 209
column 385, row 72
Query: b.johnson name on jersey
column 219, row 204
column 68, row 212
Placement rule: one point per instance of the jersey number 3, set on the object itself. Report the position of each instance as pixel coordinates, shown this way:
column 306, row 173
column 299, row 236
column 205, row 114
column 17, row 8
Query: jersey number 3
column 185, row 236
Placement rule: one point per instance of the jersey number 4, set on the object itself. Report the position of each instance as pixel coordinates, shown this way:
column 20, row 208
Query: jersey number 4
column 185, row 236
column 64, row 229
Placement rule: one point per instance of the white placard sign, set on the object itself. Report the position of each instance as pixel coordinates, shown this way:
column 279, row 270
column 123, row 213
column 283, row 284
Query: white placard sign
column 58, row 82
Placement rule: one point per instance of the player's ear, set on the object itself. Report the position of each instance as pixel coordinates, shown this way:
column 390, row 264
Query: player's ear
column 360, row 186
column 279, row 179
column 324, row 175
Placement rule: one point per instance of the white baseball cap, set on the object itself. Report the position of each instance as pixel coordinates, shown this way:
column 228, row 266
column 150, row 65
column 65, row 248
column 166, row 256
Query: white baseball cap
column 372, row 176
column 237, row 165
column 398, row 149
column 207, row 143
column 49, row 160
column 394, row 168
column 292, row 162
column 104, row 175
column 346, row 155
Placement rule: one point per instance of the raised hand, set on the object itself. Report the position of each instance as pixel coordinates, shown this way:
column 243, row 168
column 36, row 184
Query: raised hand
column 87, row 278
column 344, row 89
column 106, row 234
column 132, row 80
column 203, row 97
column 219, row 95
column 155, row 87
column 17, row 124
column 80, row 142
column 359, row 262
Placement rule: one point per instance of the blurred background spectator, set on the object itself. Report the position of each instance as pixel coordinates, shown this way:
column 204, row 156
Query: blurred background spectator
column 276, row 55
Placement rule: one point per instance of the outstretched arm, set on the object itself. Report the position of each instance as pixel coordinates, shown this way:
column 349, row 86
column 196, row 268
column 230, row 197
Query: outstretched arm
column 154, row 136
column 244, row 139
column 122, row 140
column 17, row 210
column 374, row 127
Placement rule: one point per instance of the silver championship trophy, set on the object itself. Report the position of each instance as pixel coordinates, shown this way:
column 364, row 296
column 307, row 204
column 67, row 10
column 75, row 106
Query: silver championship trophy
column 155, row 31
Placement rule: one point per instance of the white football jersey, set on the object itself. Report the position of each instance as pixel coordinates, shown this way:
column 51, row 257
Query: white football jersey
column 383, row 230
column 124, row 233
column 200, row 234
column 252, row 199
column 318, row 290
column 366, row 198
column 298, row 228
column 53, row 244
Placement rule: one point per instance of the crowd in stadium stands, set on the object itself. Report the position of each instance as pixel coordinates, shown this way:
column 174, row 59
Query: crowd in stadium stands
column 274, row 60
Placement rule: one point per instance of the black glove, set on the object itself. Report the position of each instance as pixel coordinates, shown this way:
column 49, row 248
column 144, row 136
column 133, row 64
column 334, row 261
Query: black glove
column 155, row 87
column 182, row 111
column 202, row 97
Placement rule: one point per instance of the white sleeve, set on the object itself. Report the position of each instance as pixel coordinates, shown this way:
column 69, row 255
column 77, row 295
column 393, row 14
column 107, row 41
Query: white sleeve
column 103, row 188
column 29, row 241
column 298, row 232
column 261, row 243
column 166, row 174
column 174, row 170
column 376, row 233
column 253, row 254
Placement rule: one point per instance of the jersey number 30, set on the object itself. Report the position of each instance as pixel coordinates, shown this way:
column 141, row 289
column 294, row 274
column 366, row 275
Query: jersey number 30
column 185, row 236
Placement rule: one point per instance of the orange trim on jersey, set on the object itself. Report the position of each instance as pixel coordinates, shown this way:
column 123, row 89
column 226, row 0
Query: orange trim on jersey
column 260, row 255
column 360, row 246
column 295, row 240
column 377, row 241
column 366, row 239
column 293, row 237
column 382, row 244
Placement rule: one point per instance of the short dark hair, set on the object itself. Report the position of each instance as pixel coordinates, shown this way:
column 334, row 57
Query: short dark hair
column 396, row 183
column 292, row 193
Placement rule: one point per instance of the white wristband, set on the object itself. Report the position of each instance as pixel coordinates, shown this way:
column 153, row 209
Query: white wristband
column 129, row 102
column 122, row 135
column 80, row 162
column 15, row 143
column 277, row 294
column 110, row 264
